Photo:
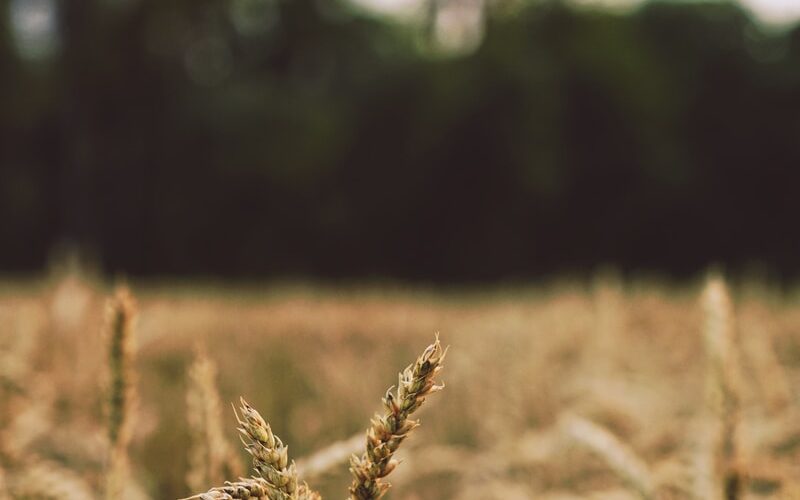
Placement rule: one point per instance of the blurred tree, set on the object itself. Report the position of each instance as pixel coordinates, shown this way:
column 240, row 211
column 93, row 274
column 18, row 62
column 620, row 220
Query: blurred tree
column 252, row 138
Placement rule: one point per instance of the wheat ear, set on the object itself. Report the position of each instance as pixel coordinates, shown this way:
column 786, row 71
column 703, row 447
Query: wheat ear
column 387, row 431
column 121, row 321
column 211, row 458
column 723, row 387
column 278, row 478
column 270, row 455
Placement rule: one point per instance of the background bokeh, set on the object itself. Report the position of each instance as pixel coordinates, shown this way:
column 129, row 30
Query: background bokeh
column 455, row 141
column 300, row 193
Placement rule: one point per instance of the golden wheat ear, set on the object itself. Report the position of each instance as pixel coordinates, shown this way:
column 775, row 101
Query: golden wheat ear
column 389, row 430
column 277, row 477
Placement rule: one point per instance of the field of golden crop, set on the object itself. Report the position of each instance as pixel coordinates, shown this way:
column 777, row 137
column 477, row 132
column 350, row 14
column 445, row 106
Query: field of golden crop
column 606, row 389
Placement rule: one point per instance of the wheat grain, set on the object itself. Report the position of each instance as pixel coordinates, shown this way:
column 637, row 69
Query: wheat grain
column 389, row 430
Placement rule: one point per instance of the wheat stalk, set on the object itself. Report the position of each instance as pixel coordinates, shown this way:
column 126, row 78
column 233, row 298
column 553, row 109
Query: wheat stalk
column 723, row 388
column 121, row 311
column 389, row 430
column 619, row 457
column 211, row 458
column 325, row 459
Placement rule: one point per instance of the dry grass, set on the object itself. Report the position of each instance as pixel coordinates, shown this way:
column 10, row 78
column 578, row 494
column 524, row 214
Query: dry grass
column 627, row 358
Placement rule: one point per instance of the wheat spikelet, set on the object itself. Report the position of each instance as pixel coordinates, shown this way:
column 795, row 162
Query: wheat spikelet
column 121, row 311
column 211, row 458
column 254, row 487
column 723, row 394
column 387, row 431
column 251, row 488
column 619, row 457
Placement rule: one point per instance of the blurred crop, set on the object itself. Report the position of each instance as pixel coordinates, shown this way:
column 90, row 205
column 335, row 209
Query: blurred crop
column 600, row 389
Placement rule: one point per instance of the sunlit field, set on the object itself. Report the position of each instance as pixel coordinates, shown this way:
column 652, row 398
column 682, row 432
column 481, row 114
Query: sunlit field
column 601, row 389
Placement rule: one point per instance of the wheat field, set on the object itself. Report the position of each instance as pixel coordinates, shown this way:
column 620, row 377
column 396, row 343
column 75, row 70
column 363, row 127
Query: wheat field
column 606, row 389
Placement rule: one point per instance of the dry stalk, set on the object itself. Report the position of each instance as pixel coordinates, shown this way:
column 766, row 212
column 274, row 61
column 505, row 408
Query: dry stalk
column 211, row 458
column 387, row 431
column 121, row 321
column 322, row 461
column 619, row 457
column 723, row 388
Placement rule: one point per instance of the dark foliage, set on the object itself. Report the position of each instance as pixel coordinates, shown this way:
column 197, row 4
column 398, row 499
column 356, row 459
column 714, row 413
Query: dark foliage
column 165, row 141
